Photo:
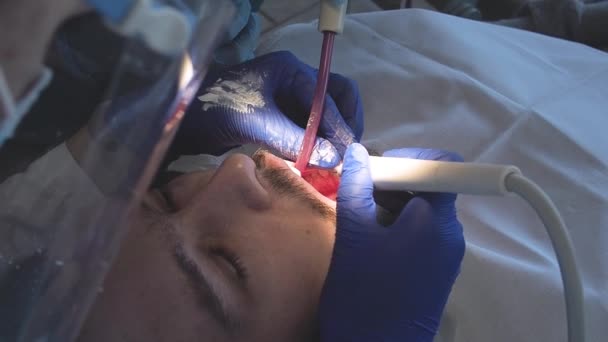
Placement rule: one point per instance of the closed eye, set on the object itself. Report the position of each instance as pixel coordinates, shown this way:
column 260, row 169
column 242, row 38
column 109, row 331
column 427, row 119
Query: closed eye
column 233, row 261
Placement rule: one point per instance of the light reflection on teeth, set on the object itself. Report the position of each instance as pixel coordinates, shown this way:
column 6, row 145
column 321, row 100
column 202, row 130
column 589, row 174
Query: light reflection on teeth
column 292, row 166
column 324, row 181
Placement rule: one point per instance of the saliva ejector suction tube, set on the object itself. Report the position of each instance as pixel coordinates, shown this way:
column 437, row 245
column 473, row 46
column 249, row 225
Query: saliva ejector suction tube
column 403, row 174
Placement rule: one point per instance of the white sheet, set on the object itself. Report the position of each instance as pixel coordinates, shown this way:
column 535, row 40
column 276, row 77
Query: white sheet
column 495, row 95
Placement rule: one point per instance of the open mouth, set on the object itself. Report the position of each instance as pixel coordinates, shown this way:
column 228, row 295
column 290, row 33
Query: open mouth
column 323, row 182
column 326, row 182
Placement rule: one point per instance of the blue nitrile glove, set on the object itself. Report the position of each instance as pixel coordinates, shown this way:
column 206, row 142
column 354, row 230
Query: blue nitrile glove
column 389, row 283
column 266, row 101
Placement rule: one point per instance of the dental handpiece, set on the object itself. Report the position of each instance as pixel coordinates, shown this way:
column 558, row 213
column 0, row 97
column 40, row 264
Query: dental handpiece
column 404, row 174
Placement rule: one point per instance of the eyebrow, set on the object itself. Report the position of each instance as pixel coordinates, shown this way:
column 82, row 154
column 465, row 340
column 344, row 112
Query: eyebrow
column 208, row 298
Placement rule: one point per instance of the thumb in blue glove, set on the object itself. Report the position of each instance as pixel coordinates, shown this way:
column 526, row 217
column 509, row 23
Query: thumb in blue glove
column 389, row 283
column 267, row 101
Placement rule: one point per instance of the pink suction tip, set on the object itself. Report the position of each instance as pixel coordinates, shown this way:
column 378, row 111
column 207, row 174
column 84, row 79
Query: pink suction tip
column 318, row 102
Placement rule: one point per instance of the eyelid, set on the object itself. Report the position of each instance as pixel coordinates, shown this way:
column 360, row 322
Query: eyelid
column 233, row 259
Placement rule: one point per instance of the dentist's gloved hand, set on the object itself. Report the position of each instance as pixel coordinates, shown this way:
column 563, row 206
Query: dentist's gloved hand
column 266, row 101
column 389, row 283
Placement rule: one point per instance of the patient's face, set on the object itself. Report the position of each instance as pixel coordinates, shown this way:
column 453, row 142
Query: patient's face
column 234, row 254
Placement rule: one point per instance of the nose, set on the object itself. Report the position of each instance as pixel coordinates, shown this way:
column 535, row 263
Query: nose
column 237, row 180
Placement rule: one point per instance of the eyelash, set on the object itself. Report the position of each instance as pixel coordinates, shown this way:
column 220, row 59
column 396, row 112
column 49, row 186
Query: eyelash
column 233, row 259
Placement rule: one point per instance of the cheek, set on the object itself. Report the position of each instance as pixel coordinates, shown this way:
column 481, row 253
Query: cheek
column 324, row 181
column 296, row 259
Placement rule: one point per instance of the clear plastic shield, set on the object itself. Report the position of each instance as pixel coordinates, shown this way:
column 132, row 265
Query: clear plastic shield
column 63, row 217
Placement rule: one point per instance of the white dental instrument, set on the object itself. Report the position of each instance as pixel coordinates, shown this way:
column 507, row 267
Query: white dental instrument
column 403, row 174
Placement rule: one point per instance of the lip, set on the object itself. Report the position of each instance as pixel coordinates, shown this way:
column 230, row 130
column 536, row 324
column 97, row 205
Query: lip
column 272, row 161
